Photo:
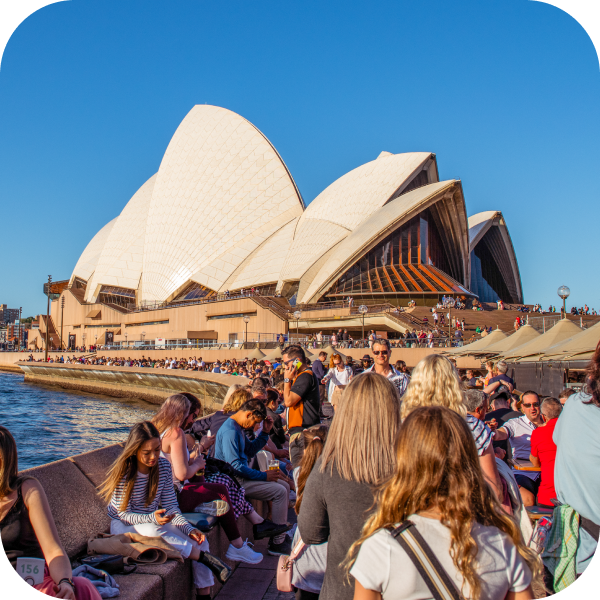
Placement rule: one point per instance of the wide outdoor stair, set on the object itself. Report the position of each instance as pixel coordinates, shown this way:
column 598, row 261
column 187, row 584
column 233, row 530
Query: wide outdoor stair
column 492, row 317
column 80, row 515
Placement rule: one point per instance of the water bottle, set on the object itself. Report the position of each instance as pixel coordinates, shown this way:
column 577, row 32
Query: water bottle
column 540, row 534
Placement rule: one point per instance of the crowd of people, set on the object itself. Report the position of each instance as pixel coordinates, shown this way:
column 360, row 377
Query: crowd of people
column 412, row 480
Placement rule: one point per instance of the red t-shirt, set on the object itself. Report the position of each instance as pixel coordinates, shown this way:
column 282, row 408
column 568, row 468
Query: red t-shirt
column 544, row 448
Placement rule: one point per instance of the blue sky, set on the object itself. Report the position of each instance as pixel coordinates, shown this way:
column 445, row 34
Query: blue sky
column 505, row 93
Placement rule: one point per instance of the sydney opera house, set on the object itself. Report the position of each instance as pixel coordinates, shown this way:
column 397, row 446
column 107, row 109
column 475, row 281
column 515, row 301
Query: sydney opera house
column 223, row 214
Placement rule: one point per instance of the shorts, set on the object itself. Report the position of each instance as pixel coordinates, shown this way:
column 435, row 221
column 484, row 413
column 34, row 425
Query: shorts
column 529, row 484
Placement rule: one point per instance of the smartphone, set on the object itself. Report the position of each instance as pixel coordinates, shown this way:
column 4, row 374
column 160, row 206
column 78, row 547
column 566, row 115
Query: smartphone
column 298, row 364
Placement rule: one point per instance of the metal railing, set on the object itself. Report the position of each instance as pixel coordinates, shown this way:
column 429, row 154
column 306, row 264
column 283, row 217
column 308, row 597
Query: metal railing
column 147, row 305
column 543, row 324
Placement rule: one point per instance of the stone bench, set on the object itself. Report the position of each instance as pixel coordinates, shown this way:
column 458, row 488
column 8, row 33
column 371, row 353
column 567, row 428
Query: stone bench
column 80, row 514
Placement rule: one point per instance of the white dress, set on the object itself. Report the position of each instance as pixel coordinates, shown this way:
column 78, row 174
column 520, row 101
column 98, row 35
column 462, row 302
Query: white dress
column 336, row 377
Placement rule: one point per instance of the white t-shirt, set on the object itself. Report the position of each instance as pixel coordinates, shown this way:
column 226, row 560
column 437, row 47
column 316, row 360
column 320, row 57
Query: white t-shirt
column 383, row 566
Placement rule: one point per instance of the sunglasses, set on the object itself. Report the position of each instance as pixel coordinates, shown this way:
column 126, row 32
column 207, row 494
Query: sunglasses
column 378, row 352
column 533, row 404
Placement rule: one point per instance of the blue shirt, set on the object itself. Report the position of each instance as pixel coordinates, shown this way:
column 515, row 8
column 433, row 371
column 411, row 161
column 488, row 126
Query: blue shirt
column 577, row 466
column 234, row 447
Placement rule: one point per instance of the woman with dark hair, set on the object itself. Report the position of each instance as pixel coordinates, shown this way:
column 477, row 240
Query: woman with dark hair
column 141, row 497
column 27, row 528
column 577, row 466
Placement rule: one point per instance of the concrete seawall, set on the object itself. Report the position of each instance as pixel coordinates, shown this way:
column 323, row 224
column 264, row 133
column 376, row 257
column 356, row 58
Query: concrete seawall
column 151, row 385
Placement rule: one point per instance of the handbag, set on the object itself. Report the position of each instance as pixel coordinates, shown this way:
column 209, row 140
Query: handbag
column 113, row 564
column 285, row 566
column 420, row 553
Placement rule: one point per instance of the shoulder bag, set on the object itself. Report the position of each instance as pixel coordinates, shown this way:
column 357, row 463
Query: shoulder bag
column 285, row 566
column 420, row 553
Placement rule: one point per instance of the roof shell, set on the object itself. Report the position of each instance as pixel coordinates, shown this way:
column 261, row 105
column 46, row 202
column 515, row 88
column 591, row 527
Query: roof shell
column 480, row 224
column 121, row 260
column 220, row 192
column 86, row 265
column 348, row 202
column 377, row 226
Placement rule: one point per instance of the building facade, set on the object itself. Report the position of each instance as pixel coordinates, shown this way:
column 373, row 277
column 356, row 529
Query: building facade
column 223, row 216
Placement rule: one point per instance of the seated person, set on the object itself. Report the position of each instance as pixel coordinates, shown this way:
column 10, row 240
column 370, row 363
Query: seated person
column 500, row 414
column 543, row 451
column 194, row 490
column 234, row 447
column 277, row 436
column 501, row 378
column 27, row 528
column 141, row 496
column 518, row 431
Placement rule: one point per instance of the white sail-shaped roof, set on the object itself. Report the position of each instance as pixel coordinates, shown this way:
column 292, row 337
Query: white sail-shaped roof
column 220, row 192
column 381, row 223
column 121, row 260
column 86, row 265
column 349, row 201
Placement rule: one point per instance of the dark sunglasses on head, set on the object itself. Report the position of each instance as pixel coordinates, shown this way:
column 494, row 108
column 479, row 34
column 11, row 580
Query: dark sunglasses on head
column 378, row 352
column 534, row 404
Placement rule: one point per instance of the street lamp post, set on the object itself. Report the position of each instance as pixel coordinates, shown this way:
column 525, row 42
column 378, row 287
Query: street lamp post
column 126, row 334
column 246, row 321
column 564, row 292
column 143, row 337
column 297, row 315
column 62, row 318
column 363, row 310
column 48, row 320
column 83, row 336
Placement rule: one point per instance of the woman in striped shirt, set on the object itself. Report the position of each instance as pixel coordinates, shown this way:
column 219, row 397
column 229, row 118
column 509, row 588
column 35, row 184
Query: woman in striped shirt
column 139, row 489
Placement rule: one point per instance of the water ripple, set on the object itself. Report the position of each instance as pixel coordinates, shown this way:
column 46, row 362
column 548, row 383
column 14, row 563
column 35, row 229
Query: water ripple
column 49, row 423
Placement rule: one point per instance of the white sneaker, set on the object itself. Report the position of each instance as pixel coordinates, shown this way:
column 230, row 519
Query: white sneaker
column 244, row 554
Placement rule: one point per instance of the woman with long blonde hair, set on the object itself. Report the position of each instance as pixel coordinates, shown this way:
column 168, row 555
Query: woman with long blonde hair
column 141, row 497
column 194, row 493
column 438, row 486
column 435, row 382
column 357, row 457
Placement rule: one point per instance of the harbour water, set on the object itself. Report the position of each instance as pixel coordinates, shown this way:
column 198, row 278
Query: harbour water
column 50, row 423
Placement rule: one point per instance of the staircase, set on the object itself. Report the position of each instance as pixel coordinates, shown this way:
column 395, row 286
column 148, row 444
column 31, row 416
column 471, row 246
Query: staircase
column 272, row 304
column 53, row 337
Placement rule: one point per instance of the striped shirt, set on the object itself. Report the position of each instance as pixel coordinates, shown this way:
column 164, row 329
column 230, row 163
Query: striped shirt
column 482, row 434
column 137, row 512
column 400, row 380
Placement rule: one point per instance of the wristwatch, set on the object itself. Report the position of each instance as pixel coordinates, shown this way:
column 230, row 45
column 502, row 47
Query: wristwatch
column 286, row 380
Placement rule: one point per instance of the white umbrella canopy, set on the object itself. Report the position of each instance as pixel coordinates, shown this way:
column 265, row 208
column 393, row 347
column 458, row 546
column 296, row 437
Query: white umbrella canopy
column 580, row 344
column 479, row 345
column 523, row 336
column 256, row 353
column 273, row 355
column 563, row 330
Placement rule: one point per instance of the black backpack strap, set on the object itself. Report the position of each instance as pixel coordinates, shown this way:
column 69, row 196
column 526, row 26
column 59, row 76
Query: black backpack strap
column 418, row 550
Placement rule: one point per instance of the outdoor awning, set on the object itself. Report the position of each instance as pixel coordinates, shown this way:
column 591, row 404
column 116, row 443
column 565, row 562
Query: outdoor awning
column 202, row 335
column 93, row 314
